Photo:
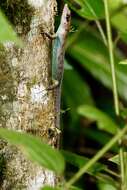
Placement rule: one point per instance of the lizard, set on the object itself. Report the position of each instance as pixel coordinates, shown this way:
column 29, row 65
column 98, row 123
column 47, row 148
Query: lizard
column 58, row 52
column 58, row 59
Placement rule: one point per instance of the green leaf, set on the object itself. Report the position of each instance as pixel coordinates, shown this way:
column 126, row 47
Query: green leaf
column 50, row 188
column 96, row 170
column 67, row 66
column 119, row 22
column 123, row 113
column 35, row 149
column 89, row 51
column 105, row 186
column 115, row 5
column 74, row 188
column 80, row 87
column 80, row 161
column 73, row 83
column 104, row 122
column 116, row 159
column 124, row 62
column 89, row 9
column 62, row 188
column 6, row 31
column 97, row 136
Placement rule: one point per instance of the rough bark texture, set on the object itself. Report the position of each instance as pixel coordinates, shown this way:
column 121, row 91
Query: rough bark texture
column 25, row 103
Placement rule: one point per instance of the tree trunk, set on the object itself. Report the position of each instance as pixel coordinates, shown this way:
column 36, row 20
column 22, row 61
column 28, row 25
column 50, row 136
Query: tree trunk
column 26, row 105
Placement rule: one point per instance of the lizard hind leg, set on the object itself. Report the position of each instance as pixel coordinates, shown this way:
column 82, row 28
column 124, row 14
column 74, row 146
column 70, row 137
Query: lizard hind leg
column 54, row 85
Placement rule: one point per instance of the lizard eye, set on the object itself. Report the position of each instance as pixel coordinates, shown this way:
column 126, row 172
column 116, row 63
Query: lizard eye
column 67, row 17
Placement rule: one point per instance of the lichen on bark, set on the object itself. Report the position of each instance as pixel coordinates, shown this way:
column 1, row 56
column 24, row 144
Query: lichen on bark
column 26, row 105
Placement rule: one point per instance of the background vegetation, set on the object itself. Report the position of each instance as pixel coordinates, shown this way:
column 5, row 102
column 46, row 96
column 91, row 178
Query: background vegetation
column 88, row 88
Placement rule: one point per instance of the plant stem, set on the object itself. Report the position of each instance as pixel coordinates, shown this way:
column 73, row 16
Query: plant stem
column 125, row 158
column 121, row 160
column 112, row 173
column 111, row 56
column 96, row 157
column 115, row 91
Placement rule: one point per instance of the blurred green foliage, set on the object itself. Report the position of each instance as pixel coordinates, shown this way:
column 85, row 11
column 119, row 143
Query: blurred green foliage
column 6, row 31
column 87, row 87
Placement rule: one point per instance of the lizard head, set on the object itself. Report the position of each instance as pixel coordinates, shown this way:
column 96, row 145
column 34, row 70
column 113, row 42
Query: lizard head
column 66, row 18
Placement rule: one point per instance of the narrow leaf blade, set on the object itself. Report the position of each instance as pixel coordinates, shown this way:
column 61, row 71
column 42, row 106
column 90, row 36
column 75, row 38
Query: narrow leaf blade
column 80, row 161
column 35, row 149
column 104, row 121
column 50, row 188
column 89, row 9
column 6, row 31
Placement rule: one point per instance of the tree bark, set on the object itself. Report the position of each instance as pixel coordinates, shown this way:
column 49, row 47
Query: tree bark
column 26, row 105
